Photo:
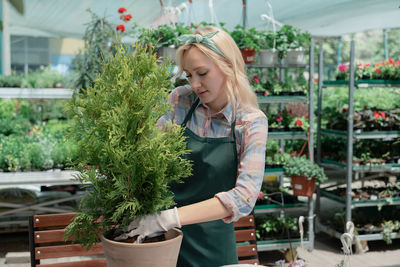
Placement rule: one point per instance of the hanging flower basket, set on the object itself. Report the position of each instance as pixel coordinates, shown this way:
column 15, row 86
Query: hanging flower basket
column 302, row 186
column 248, row 55
column 268, row 57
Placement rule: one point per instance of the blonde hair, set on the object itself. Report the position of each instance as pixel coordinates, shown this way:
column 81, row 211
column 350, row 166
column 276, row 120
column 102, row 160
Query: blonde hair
column 232, row 66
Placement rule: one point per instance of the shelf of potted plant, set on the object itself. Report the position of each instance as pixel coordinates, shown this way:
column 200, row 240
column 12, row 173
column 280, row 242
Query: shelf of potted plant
column 365, row 197
column 361, row 126
column 299, row 131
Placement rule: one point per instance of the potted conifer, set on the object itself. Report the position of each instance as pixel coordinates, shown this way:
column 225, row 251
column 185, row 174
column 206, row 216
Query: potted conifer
column 128, row 160
column 305, row 175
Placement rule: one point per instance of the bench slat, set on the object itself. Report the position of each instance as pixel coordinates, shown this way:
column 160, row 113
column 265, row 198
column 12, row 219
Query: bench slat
column 60, row 251
column 48, row 236
column 247, row 251
column 245, row 235
column 247, row 221
column 53, row 220
column 85, row 263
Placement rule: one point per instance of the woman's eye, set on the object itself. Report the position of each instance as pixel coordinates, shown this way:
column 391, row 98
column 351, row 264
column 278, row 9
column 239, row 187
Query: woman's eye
column 203, row 74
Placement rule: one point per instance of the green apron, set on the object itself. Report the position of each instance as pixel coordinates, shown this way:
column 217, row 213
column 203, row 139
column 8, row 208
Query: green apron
column 214, row 170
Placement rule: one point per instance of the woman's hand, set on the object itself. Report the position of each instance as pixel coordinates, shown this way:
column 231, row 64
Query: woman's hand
column 151, row 225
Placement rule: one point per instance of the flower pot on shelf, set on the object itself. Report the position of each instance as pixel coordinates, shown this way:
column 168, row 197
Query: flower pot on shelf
column 168, row 52
column 268, row 57
column 294, row 57
column 162, row 253
column 248, row 55
column 302, row 186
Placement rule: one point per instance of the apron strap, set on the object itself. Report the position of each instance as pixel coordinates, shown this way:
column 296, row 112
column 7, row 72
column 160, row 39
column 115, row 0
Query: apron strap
column 191, row 110
column 189, row 114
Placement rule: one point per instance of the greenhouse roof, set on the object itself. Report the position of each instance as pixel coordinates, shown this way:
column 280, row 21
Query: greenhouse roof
column 67, row 18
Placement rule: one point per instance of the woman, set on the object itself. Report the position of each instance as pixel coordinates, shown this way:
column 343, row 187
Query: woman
column 226, row 134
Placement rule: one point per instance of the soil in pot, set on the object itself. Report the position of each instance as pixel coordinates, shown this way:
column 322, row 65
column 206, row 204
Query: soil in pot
column 121, row 254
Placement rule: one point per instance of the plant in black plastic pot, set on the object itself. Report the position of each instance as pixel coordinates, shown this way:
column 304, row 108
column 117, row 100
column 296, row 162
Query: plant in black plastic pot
column 128, row 160
column 305, row 175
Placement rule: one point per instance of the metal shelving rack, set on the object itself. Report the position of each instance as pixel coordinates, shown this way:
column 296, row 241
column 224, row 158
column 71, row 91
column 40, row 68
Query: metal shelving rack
column 309, row 205
column 352, row 136
column 51, row 177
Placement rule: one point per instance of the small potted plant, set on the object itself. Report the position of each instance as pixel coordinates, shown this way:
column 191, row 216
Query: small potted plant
column 248, row 42
column 290, row 42
column 128, row 160
column 268, row 55
column 305, row 175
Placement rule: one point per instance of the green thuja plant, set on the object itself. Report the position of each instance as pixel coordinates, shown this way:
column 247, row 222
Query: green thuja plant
column 128, row 160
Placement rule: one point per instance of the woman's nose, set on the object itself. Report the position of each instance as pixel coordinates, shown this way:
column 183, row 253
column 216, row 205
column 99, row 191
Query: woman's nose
column 195, row 83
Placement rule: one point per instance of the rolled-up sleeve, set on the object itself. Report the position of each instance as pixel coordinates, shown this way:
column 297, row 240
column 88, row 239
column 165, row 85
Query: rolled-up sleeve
column 241, row 199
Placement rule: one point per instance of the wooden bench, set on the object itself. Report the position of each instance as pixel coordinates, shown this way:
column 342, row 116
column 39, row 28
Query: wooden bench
column 46, row 241
column 246, row 238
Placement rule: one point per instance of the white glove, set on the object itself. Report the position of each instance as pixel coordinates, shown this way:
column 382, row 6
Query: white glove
column 152, row 225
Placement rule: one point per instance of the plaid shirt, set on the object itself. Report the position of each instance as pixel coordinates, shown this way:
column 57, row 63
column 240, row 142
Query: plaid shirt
column 251, row 130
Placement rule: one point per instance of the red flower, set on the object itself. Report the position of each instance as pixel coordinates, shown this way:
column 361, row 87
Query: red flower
column 256, row 80
column 377, row 70
column 127, row 17
column 121, row 10
column 266, row 93
column 391, row 60
column 279, row 118
column 383, row 115
column 316, row 80
column 121, row 27
column 367, row 65
column 306, row 116
column 260, row 195
column 299, row 123
column 376, row 115
column 196, row 25
column 344, row 110
column 397, row 62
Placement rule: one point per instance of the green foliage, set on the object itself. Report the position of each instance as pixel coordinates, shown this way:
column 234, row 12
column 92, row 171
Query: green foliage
column 302, row 166
column 126, row 157
column 42, row 148
column 246, row 38
column 290, row 38
column 164, row 35
column 270, row 225
column 98, row 38
column 41, row 78
column 388, row 228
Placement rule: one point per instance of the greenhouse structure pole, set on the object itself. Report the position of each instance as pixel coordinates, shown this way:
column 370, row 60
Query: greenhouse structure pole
column 319, row 118
column 311, row 140
column 5, row 39
column 385, row 44
column 244, row 13
column 319, row 107
column 339, row 51
column 350, row 122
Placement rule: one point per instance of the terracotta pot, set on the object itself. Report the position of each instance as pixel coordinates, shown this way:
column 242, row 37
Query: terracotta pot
column 302, row 186
column 164, row 253
column 248, row 55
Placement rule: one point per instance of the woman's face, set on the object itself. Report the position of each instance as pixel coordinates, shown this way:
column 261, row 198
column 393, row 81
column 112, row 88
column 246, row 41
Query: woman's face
column 206, row 79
